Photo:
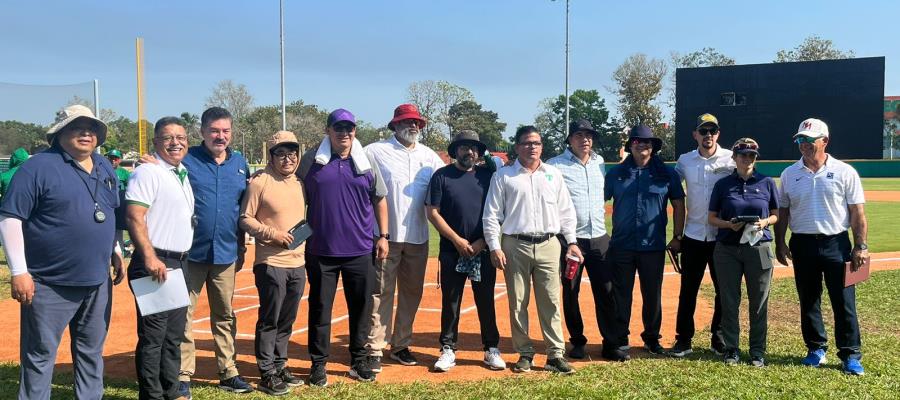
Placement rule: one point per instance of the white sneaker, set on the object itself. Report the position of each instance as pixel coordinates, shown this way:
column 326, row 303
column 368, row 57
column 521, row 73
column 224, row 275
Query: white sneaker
column 493, row 360
column 446, row 361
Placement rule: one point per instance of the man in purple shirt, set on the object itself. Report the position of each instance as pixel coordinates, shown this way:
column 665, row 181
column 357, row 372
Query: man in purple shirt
column 345, row 198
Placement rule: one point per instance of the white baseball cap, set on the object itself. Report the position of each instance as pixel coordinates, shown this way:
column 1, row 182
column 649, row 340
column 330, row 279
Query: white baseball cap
column 813, row 128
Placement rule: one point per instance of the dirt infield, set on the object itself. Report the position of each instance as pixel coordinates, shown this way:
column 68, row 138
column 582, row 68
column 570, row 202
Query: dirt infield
column 122, row 339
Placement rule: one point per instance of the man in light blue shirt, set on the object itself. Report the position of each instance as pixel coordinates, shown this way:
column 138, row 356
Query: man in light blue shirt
column 583, row 173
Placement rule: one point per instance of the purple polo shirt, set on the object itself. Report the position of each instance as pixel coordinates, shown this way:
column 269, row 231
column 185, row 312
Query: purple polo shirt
column 340, row 210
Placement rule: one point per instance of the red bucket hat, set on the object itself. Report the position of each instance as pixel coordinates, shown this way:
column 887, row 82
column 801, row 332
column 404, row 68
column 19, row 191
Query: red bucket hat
column 407, row 111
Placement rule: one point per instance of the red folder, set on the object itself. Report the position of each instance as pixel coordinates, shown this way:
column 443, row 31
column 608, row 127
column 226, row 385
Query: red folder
column 852, row 277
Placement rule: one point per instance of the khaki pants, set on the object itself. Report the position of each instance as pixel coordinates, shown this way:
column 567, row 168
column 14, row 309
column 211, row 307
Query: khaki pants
column 527, row 262
column 403, row 272
column 219, row 281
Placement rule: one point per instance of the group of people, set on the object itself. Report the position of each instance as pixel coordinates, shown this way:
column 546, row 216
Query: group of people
column 187, row 209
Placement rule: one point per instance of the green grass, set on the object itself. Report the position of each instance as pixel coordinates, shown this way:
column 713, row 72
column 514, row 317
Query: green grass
column 880, row 184
column 701, row 375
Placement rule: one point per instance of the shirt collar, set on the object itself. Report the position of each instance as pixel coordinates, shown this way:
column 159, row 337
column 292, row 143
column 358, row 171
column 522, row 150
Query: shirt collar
column 96, row 158
column 165, row 164
column 521, row 167
column 568, row 154
column 720, row 152
column 393, row 140
column 754, row 177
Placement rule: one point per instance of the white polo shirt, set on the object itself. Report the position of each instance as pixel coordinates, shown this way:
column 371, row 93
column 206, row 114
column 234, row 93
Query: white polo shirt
column 406, row 173
column 700, row 175
column 522, row 202
column 170, row 203
column 818, row 201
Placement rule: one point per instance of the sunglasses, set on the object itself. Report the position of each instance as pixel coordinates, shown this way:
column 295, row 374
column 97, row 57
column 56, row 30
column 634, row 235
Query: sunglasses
column 745, row 146
column 343, row 128
column 641, row 141
column 708, row 131
column 805, row 139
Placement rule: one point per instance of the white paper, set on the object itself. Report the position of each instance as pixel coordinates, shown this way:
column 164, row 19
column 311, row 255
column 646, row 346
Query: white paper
column 154, row 297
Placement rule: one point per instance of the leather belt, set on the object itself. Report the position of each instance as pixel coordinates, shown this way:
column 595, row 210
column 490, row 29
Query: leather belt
column 533, row 239
column 172, row 255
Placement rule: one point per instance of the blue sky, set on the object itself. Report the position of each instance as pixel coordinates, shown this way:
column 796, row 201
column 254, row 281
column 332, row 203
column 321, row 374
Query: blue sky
column 362, row 55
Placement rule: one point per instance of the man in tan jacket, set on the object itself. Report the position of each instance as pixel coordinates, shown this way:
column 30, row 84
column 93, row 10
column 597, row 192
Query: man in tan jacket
column 272, row 206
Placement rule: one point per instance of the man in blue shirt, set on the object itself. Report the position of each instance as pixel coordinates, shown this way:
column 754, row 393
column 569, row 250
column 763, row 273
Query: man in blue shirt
column 58, row 228
column 640, row 188
column 218, row 177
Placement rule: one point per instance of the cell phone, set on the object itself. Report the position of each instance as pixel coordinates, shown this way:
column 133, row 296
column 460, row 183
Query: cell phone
column 745, row 218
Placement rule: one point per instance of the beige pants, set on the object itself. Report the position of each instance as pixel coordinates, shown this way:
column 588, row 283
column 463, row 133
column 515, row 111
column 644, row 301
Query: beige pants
column 219, row 281
column 403, row 272
column 527, row 262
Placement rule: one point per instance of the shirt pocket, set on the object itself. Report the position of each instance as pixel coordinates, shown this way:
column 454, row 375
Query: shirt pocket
column 659, row 187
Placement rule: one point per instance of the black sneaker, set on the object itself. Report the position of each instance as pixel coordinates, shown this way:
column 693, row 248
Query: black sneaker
column 273, row 385
column 523, row 365
column 559, row 365
column 718, row 348
column 654, row 348
column 614, row 354
column 577, row 352
column 317, row 375
column 374, row 363
column 732, row 357
column 360, row 371
column 681, row 349
column 288, row 378
column 403, row 357
column 758, row 361
column 235, row 384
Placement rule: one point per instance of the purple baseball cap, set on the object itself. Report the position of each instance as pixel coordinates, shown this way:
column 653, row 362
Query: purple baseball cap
column 341, row 115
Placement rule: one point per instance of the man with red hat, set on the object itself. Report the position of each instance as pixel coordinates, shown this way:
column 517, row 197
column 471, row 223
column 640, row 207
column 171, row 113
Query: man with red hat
column 407, row 167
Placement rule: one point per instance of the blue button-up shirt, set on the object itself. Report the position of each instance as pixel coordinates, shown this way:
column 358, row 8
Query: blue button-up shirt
column 732, row 196
column 639, row 198
column 55, row 199
column 218, row 189
column 585, row 184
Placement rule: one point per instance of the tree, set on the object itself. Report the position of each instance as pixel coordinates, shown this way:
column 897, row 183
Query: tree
column 639, row 82
column 434, row 99
column 192, row 126
column 15, row 134
column 106, row 114
column 583, row 104
column 813, row 48
column 468, row 114
column 237, row 100
column 122, row 134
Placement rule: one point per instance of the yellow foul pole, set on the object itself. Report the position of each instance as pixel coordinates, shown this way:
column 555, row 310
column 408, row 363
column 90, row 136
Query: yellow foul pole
column 142, row 135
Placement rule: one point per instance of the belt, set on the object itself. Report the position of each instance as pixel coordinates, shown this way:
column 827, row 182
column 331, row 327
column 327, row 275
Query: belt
column 172, row 255
column 533, row 239
column 818, row 236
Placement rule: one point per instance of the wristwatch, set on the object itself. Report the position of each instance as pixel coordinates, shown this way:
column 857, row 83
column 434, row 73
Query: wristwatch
column 385, row 235
column 679, row 237
column 862, row 246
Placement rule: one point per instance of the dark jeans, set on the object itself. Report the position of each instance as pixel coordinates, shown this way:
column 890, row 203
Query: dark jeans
column 816, row 257
column 452, row 285
column 601, row 276
column 649, row 266
column 358, row 277
column 157, row 357
column 280, row 290
column 695, row 256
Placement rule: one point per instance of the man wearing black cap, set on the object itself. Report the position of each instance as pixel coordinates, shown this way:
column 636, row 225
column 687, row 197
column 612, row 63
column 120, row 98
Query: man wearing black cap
column 582, row 171
column 454, row 202
column 640, row 188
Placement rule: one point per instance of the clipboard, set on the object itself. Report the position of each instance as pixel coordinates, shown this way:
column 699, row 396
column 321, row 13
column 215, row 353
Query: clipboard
column 852, row 277
column 673, row 258
column 301, row 232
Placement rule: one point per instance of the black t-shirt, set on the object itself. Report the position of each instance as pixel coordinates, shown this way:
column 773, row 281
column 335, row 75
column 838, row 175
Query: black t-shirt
column 460, row 196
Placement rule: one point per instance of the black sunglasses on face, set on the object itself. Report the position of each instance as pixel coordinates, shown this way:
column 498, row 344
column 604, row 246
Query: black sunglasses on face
column 641, row 141
column 343, row 128
column 708, row 131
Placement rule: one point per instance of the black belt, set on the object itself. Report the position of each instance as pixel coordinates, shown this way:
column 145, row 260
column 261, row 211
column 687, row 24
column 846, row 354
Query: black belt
column 172, row 255
column 817, row 236
column 533, row 239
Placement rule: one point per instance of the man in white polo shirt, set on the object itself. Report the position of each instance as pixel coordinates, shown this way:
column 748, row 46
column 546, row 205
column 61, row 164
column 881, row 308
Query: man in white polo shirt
column 700, row 169
column 160, row 221
column 821, row 198
column 406, row 166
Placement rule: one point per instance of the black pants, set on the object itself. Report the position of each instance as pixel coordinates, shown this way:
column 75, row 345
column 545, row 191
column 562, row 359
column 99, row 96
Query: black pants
column 649, row 266
column 358, row 277
column 816, row 257
column 696, row 255
column 601, row 276
column 280, row 290
column 157, row 357
column 452, row 285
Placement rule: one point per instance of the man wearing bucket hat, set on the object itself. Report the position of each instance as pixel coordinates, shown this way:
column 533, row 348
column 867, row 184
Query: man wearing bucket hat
column 58, row 228
column 583, row 170
column 700, row 169
column 455, row 199
column 272, row 206
column 345, row 198
column 821, row 198
column 641, row 186
column 406, row 166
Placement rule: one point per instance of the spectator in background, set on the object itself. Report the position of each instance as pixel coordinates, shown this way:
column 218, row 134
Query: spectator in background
column 115, row 158
column 16, row 159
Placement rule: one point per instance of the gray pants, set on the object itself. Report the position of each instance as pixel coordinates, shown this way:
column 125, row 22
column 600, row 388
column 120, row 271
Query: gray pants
column 754, row 263
column 86, row 311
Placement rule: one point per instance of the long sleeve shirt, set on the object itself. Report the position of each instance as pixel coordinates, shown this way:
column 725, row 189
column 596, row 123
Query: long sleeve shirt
column 273, row 202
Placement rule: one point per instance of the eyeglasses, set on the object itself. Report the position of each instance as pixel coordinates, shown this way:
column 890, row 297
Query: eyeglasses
column 531, row 144
column 285, row 156
column 805, row 139
column 81, row 130
column 343, row 128
column 708, row 131
column 409, row 121
column 745, row 146
column 170, row 139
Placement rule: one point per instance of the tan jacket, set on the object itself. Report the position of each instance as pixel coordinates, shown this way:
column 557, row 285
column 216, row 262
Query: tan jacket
column 273, row 202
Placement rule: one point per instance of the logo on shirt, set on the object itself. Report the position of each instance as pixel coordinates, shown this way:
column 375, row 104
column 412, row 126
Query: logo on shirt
column 549, row 177
column 830, row 175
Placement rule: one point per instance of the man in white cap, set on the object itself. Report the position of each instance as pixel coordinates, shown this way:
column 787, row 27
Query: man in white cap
column 821, row 198
column 58, row 231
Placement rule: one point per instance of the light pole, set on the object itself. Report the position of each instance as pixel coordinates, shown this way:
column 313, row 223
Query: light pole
column 281, row 24
column 567, row 68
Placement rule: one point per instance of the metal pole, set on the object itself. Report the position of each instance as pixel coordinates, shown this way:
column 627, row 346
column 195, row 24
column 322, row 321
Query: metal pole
column 97, row 98
column 567, row 68
column 283, row 107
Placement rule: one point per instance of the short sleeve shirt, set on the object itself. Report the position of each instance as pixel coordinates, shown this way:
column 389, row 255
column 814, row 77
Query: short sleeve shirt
column 460, row 197
column 169, row 201
column 818, row 201
column 732, row 197
column 56, row 200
